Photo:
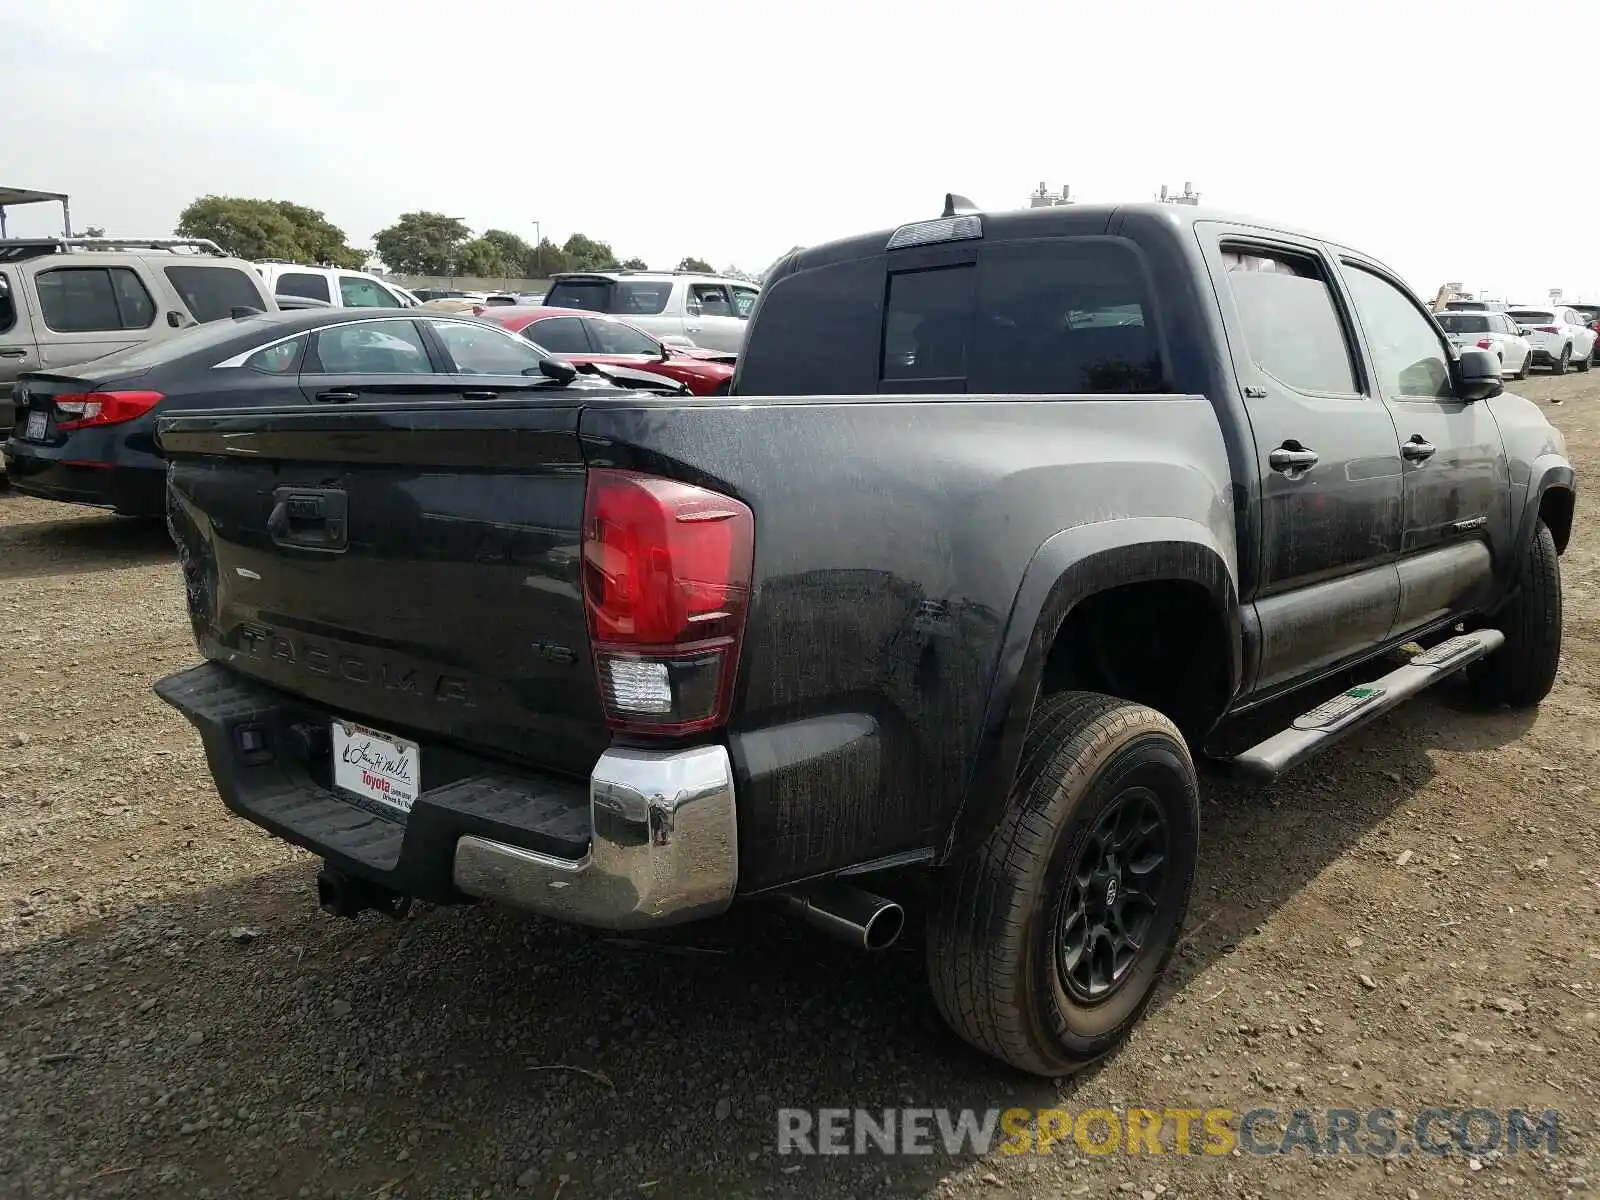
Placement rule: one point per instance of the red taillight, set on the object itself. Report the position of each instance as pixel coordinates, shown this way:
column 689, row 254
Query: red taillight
column 88, row 409
column 666, row 581
column 1549, row 328
column 1485, row 344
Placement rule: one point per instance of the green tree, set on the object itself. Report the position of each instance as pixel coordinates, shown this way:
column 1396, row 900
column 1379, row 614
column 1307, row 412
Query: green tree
column 480, row 257
column 260, row 229
column 696, row 264
column 320, row 239
column 635, row 264
column 585, row 254
column 421, row 243
column 513, row 252
column 548, row 259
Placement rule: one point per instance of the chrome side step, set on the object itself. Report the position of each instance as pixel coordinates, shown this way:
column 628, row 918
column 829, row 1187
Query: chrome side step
column 1351, row 709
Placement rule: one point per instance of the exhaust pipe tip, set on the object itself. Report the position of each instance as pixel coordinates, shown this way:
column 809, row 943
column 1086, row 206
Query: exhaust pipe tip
column 884, row 929
column 860, row 918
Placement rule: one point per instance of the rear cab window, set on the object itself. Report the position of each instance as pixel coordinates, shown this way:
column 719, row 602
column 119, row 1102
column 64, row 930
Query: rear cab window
column 1463, row 322
column 212, row 293
column 1055, row 316
column 619, row 297
column 1532, row 316
column 305, row 284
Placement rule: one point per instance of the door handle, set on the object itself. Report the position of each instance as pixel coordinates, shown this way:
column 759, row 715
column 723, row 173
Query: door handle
column 13, row 354
column 691, row 329
column 479, row 395
column 309, row 519
column 1418, row 449
column 1291, row 457
column 338, row 397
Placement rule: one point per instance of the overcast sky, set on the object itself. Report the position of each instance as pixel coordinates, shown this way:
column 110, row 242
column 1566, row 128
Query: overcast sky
column 1456, row 141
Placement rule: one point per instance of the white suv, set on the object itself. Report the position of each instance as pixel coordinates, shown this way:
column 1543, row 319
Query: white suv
column 65, row 301
column 1558, row 335
column 675, row 306
column 1495, row 332
column 333, row 286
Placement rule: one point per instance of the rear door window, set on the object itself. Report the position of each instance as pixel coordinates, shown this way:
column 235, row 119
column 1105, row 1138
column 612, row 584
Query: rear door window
column 369, row 348
column 1291, row 325
column 744, row 299
column 8, row 306
column 305, row 284
column 1066, row 316
column 94, row 299
column 710, row 300
column 212, row 293
column 560, row 335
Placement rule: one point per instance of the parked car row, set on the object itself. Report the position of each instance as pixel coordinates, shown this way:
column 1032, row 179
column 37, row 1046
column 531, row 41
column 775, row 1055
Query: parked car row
column 1540, row 335
column 86, row 434
column 1526, row 335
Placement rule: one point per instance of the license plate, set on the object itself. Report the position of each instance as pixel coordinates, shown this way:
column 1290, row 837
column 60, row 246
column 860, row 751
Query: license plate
column 36, row 423
column 376, row 766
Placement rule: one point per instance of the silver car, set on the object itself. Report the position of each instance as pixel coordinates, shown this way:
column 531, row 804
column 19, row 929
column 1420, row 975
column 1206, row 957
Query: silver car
column 1495, row 332
column 676, row 306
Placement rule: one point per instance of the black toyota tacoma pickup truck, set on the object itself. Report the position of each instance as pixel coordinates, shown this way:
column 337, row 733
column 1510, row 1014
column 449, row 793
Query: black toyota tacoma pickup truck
column 1009, row 515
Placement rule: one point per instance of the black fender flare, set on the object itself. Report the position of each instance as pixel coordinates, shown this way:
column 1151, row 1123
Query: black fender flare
column 1069, row 567
column 1549, row 472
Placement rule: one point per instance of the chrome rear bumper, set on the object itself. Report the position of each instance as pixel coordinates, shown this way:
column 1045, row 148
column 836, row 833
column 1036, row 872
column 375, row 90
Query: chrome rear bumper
column 664, row 847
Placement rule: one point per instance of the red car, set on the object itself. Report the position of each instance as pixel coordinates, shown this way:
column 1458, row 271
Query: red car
column 587, row 337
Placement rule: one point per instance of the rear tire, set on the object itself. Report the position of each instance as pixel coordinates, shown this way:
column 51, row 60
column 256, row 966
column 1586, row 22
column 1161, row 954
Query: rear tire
column 1584, row 363
column 1559, row 367
column 1521, row 673
column 1047, row 940
column 1527, row 365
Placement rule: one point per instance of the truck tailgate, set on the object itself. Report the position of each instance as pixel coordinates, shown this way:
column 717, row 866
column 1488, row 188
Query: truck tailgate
column 415, row 566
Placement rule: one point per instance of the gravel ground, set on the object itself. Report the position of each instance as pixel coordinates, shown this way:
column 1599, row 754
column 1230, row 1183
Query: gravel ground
column 1410, row 921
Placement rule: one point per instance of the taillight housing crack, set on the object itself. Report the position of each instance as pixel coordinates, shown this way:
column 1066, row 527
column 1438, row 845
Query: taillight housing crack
column 666, row 585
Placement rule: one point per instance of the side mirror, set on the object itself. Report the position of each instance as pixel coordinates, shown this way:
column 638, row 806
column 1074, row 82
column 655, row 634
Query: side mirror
column 1478, row 375
column 552, row 368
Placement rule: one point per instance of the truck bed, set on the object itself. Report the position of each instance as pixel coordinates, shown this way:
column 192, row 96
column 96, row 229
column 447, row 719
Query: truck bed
column 891, row 533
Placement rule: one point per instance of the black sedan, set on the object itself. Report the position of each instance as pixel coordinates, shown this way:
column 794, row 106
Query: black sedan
column 88, row 433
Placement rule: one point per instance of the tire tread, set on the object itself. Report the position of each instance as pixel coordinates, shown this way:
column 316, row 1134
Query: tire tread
column 980, row 923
